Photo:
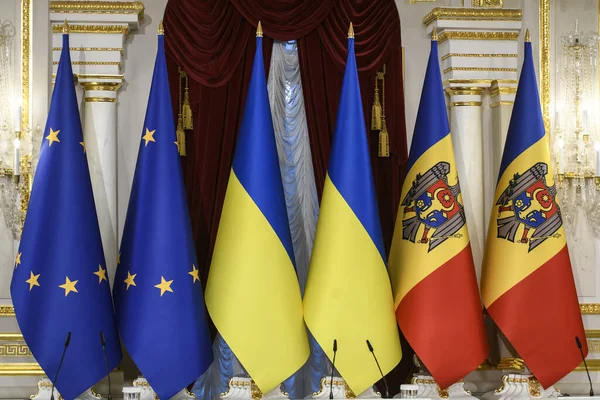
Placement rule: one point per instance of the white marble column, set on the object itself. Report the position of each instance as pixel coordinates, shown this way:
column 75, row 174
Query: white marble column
column 467, row 138
column 100, row 137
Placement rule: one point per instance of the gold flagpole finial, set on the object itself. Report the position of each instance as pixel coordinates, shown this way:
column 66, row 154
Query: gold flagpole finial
column 527, row 35
column 434, row 35
column 259, row 31
column 351, row 32
column 65, row 27
column 161, row 29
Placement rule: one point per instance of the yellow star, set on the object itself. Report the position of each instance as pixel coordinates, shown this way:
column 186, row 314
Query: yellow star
column 101, row 274
column 119, row 258
column 164, row 286
column 194, row 274
column 69, row 286
column 149, row 136
column 53, row 137
column 33, row 280
column 82, row 145
column 18, row 260
column 130, row 280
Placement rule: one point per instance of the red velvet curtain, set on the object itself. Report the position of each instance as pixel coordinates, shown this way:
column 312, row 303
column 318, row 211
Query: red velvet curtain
column 213, row 41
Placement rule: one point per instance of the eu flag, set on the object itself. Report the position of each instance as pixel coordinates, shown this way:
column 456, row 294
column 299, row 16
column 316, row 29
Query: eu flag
column 158, row 293
column 60, row 283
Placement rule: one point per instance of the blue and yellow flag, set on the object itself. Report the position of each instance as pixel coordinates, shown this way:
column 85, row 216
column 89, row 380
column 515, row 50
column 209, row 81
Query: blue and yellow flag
column 348, row 296
column 252, row 293
column 60, row 283
column 158, row 293
column 527, row 283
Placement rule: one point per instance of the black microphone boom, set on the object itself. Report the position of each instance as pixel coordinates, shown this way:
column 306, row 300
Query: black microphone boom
column 387, row 390
column 62, row 357
column 332, row 369
column 585, row 365
column 103, row 342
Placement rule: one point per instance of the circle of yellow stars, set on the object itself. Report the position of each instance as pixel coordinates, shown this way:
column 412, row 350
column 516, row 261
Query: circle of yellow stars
column 164, row 285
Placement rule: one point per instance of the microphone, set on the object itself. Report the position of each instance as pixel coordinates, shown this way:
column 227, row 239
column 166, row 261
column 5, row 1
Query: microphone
column 60, row 364
column 103, row 342
column 585, row 365
column 387, row 389
column 332, row 369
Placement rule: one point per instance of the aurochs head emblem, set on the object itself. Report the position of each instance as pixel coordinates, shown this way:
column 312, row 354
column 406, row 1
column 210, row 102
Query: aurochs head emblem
column 529, row 202
column 433, row 203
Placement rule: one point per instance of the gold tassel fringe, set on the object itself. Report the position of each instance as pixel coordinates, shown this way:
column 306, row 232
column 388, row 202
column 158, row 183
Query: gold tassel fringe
column 384, row 142
column 180, row 136
column 188, row 122
column 376, row 111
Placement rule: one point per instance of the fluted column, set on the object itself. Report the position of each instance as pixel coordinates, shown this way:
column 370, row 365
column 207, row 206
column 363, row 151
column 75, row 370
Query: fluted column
column 100, row 138
column 467, row 138
column 502, row 98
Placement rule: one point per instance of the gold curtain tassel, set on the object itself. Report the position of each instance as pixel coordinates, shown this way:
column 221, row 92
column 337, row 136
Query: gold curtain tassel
column 384, row 142
column 180, row 136
column 188, row 122
column 376, row 111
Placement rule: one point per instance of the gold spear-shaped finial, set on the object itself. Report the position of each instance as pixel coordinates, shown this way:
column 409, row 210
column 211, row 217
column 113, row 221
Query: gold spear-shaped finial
column 259, row 31
column 527, row 35
column 351, row 32
column 161, row 28
column 434, row 35
column 65, row 27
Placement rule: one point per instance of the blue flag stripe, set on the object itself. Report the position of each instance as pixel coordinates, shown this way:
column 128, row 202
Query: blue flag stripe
column 54, row 287
column 428, row 130
column 350, row 161
column 256, row 163
column 159, row 303
column 527, row 115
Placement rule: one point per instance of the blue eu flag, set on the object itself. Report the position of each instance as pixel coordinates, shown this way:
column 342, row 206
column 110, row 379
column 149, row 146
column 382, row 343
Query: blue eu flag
column 158, row 293
column 60, row 283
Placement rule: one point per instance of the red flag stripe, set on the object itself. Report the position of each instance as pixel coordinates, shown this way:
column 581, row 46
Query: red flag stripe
column 536, row 316
column 441, row 317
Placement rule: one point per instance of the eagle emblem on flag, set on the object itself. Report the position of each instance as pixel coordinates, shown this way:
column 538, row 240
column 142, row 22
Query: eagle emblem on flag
column 531, row 203
column 433, row 202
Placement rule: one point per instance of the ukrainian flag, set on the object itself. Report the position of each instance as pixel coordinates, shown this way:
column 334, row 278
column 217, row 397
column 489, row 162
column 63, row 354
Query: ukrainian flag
column 252, row 293
column 431, row 264
column 527, row 282
column 60, row 283
column 348, row 296
column 158, row 293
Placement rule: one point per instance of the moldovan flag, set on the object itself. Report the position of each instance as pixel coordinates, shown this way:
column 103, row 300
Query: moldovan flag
column 348, row 295
column 252, row 293
column 435, row 287
column 527, row 283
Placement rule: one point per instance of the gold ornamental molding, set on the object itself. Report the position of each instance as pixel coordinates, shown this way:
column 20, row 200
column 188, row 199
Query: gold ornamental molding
column 486, row 82
column 502, row 103
column 465, row 104
column 488, row 3
column 21, row 369
column 495, row 91
column 476, row 35
column 100, row 100
column 464, row 91
column 588, row 308
column 7, row 311
column 479, row 69
column 545, row 71
column 472, row 14
column 25, row 61
column 119, row 49
column 103, row 86
column 447, row 56
column 98, row 7
column 108, row 29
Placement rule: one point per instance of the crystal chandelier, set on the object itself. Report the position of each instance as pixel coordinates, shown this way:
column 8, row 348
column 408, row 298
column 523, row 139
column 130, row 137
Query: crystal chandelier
column 576, row 139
